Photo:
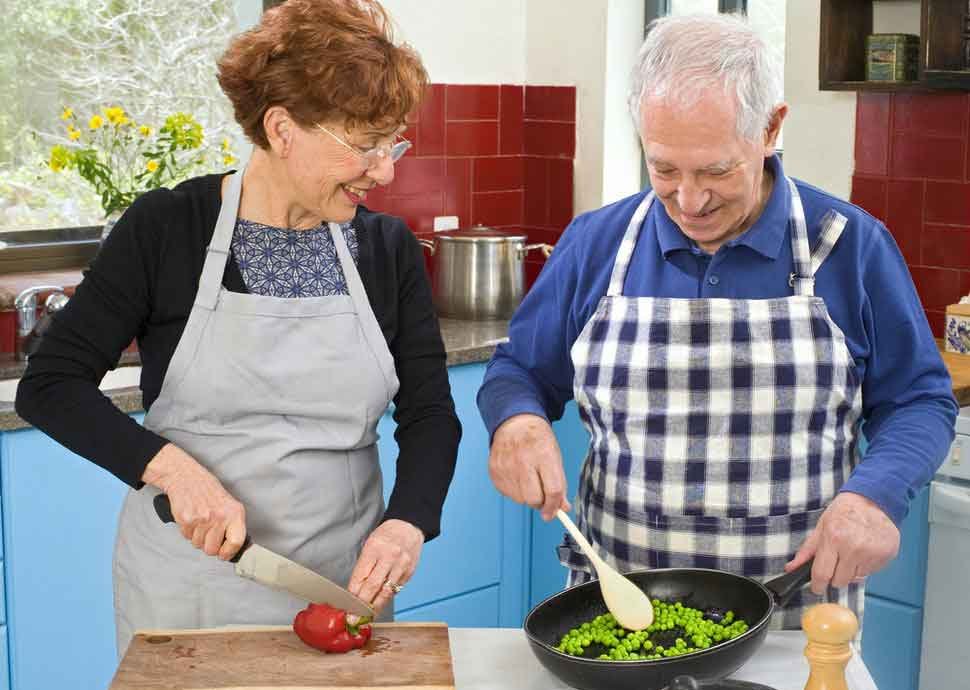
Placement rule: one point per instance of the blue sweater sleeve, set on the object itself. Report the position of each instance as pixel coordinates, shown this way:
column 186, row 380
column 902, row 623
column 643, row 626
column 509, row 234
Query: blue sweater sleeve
column 533, row 372
column 907, row 395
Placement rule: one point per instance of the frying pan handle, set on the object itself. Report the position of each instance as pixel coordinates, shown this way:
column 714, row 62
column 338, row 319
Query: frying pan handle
column 785, row 586
column 163, row 507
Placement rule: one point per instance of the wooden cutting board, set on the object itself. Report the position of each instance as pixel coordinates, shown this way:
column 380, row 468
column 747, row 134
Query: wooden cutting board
column 409, row 656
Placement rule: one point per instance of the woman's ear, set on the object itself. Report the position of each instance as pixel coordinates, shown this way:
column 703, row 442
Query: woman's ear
column 280, row 130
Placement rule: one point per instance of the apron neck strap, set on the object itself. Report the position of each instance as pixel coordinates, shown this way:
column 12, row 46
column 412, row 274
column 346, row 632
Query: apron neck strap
column 801, row 279
column 210, row 282
column 629, row 243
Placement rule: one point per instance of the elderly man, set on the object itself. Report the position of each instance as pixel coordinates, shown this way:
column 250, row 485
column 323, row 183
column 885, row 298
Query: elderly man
column 725, row 336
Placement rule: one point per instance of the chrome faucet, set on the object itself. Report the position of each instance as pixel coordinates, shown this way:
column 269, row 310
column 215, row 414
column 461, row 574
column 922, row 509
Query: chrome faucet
column 26, row 306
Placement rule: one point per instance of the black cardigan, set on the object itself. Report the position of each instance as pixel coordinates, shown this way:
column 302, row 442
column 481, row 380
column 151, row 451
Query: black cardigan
column 142, row 284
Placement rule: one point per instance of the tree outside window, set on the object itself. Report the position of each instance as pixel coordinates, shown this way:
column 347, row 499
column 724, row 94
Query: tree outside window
column 150, row 57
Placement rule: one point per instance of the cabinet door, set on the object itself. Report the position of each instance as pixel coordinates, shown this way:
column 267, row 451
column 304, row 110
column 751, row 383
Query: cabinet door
column 479, row 609
column 904, row 579
column 483, row 535
column 548, row 575
column 59, row 515
column 891, row 643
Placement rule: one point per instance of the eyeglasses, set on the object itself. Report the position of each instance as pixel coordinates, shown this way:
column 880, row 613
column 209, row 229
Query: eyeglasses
column 373, row 156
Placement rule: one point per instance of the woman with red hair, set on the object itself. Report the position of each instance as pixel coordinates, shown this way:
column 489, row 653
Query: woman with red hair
column 276, row 319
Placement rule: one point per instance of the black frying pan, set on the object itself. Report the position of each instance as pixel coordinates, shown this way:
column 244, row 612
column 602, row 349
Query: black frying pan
column 696, row 587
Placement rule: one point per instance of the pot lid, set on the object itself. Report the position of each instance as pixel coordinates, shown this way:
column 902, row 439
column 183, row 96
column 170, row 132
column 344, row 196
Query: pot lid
column 481, row 233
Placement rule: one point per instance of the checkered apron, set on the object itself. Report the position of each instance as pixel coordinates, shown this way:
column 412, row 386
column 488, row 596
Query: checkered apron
column 720, row 429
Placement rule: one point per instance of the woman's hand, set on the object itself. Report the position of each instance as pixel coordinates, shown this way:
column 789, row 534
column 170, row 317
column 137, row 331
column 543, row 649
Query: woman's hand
column 388, row 558
column 206, row 514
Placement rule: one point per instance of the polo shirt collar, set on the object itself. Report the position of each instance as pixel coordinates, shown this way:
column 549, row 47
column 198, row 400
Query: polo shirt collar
column 765, row 236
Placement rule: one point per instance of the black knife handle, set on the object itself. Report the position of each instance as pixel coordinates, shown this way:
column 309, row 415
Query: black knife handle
column 163, row 507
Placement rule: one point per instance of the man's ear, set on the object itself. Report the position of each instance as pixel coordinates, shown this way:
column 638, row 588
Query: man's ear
column 774, row 128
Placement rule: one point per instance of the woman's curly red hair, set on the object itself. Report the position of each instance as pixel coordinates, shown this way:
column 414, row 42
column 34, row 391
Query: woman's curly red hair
column 322, row 60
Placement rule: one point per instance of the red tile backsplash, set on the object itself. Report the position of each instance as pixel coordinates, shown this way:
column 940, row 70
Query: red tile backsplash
column 471, row 102
column 497, row 174
column 556, row 103
column 870, row 194
column 913, row 163
column 480, row 156
column 872, row 133
column 947, row 115
column 510, row 120
column 948, row 203
column 497, row 208
column 471, row 138
column 550, row 138
column 927, row 157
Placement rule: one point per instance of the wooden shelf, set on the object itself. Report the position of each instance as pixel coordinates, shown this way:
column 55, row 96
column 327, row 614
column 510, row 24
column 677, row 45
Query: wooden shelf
column 845, row 24
column 891, row 86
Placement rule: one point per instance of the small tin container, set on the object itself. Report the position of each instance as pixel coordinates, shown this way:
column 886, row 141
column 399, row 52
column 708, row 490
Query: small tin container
column 892, row 57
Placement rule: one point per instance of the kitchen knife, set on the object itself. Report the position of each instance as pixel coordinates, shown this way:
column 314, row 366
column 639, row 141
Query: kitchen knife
column 261, row 565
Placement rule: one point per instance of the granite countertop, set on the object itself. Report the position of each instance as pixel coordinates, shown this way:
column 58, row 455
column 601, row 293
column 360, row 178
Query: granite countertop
column 465, row 342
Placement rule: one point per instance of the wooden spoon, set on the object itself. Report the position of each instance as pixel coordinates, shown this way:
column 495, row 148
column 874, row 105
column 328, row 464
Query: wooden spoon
column 628, row 603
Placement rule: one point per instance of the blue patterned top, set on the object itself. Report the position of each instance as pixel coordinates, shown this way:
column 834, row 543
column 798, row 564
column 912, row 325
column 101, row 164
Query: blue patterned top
column 291, row 263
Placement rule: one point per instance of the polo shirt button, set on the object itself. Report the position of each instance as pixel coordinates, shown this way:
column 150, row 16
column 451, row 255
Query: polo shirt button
column 713, row 280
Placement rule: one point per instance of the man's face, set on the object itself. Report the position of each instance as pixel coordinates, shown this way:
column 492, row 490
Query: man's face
column 708, row 177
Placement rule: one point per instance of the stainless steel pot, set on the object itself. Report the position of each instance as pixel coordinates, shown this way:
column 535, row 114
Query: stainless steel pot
column 479, row 273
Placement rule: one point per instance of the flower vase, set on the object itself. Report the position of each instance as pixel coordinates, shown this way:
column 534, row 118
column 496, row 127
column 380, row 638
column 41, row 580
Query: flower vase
column 109, row 223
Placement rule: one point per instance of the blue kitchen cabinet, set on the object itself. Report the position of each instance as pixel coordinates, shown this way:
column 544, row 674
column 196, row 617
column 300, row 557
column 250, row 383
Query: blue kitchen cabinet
column 547, row 574
column 483, row 535
column 893, row 619
column 59, row 518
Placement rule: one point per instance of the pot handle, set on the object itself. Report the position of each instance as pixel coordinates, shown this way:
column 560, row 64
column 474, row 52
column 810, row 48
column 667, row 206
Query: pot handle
column 546, row 249
column 784, row 586
column 427, row 244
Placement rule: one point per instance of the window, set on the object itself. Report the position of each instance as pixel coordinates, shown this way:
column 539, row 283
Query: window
column 150, row 57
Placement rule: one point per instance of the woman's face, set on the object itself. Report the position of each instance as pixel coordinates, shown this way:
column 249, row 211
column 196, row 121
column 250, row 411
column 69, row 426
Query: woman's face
column 329, row 173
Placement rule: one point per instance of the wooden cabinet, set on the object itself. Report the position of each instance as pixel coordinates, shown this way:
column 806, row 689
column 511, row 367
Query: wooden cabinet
column 845, row 24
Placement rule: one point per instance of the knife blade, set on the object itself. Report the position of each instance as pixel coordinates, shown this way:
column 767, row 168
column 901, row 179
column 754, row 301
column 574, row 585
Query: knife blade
column 259, row 564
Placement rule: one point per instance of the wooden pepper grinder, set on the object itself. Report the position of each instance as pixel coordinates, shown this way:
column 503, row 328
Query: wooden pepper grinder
column 829, row 628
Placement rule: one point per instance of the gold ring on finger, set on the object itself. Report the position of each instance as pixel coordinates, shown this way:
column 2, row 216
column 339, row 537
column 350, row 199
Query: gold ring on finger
column 393, row 586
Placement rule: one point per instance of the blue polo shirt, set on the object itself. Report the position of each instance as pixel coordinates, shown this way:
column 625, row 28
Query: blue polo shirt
column 907, row 399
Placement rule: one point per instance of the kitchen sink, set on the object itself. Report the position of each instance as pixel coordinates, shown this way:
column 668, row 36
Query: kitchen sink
column 122, row 377
column 45, row 250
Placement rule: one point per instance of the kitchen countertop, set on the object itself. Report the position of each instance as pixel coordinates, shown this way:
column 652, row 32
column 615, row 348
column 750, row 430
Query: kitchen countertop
column 500, row 658
column 465, row 342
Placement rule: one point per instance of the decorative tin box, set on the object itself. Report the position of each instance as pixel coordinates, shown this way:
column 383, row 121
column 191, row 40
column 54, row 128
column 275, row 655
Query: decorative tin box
column 892, row 57
column 957, row 332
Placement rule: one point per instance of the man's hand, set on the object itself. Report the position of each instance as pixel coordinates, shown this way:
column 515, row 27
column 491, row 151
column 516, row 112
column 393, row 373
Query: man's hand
column 386, row 561
column 205, row 512
column 525, row 464
column 854, row 538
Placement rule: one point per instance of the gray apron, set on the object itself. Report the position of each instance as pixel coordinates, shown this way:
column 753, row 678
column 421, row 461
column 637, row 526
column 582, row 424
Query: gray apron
column 279, row 398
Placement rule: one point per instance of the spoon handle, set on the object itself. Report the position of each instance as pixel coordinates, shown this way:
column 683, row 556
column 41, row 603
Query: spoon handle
column 579, row 539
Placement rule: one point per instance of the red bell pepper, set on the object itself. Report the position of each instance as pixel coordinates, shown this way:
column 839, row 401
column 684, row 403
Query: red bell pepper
column 326, row 628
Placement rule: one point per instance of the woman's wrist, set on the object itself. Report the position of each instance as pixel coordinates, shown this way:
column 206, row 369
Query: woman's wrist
column 166, row 464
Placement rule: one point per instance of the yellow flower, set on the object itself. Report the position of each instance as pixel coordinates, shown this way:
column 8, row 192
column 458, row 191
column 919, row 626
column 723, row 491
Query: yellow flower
column 116, row 116
column 226, row 145
column 60, row 158
column 67, row 114
column 151, row 166
column 144, row 130
column 228, row 160
column 73, row 133
column 95, row 122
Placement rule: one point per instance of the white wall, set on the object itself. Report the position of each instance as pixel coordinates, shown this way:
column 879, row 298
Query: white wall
column 820, row 129
column 465, row 42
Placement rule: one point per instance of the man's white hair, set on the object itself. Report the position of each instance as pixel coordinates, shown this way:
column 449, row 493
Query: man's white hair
column 683, row 57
